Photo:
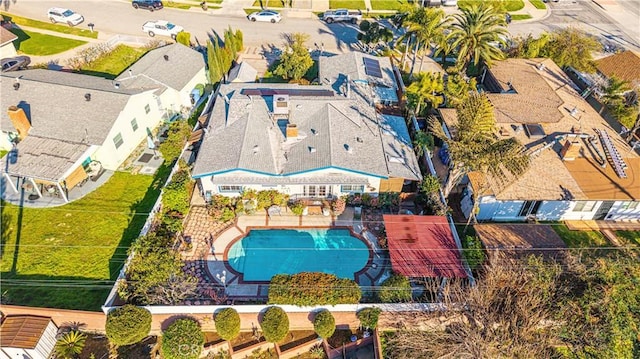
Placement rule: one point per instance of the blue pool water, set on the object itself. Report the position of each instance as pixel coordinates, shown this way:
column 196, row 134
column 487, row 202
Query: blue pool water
column 266, row 252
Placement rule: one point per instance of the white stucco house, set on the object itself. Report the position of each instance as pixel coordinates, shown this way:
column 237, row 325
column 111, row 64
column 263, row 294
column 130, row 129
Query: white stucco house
column 63, row 124
column 580, row 169
column 307, row 141
column 27, row 337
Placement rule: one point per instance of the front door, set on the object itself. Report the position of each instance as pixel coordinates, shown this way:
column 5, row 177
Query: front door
column 601, row 213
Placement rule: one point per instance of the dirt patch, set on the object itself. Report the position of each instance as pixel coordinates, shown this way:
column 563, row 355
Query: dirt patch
column 296, row 338
column 245, row 340
column 98, row 345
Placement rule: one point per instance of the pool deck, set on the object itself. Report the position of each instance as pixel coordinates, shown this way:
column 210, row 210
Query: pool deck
column 219, row 271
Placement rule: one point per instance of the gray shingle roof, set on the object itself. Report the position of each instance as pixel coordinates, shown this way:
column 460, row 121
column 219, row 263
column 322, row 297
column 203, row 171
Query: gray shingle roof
column 55, row 103
column 243, row 72
column 181, row 66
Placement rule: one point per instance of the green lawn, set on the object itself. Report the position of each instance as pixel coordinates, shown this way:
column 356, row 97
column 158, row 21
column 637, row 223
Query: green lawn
column 178, row 5
column 65, row 29
column 113, row 63
column 631, row 238
column 37, row 44
column 538, row 4
column 347, row 4
column 68, row 257
column 269, row 4
column 509, row 5
column 387, row 4
column 580, row 239
column 515, row 17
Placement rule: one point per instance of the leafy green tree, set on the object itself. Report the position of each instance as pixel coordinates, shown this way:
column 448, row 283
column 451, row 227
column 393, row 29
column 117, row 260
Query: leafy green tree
column 572, row 47
column 430, row 184
column 127, row 325
column 372, row 33
column 275, row 324
column 324, row 324
column 472, row 251
column 227, row 323
column 422, row 139
column 219, row 60
column 70, row 345
column 369, row 317
column 183, row 339
column 427, row 88
column 529, row 47
column 177, row 136
column 395, row 289
column 614, row 91
column 475, row 147
column 295, row 60
column 476, row 31
column 313, row 288
column 184, row 38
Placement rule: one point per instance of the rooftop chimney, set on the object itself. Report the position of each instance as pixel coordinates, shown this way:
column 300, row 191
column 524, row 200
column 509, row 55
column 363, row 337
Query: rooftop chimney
column 292, row 130
column 571, row 150
column 19, row 120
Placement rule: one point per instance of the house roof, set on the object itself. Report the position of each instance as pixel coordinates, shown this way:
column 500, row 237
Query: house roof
column 423, row 246
column 6, row 36
column 55, row 104
column 334, row 131
column 22, row 331
column 242, row 72
column 563, row 180
column 172, row 65
column 45, row 158
column 520, row 239
column 624, row 65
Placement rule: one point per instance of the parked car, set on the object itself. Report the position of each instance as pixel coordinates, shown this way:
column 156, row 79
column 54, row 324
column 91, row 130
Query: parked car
column 332, row 16
column 161, row 27
column 150, row 5
column 15, row 63
column 58, row 14
column 265, row 15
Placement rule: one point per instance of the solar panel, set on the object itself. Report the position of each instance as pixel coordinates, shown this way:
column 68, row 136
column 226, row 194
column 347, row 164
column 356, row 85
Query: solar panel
column 372, row 67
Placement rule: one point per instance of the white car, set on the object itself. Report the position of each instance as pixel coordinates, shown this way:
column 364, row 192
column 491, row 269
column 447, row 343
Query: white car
column 58, row 14
column 161, row 27
column 265, row 15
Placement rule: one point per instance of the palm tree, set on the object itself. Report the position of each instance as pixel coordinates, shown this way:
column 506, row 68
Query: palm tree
column 70, row 345
column 427, row 88
column 476, row 31
column 421, row 140
column 424, row 26
column 444, row 46
column 475, row 147
column 458, row 88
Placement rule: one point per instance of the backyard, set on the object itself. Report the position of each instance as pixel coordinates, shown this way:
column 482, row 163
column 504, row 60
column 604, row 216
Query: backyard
column 68, row 257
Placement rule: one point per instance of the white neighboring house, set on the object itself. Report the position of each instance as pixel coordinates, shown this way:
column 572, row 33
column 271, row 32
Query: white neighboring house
column 7, row 49
column 571, row 175
column 307, row 141
column 65, row 122
column 27, row 337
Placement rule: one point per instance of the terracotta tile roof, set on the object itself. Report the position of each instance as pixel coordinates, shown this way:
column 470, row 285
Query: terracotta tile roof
column 22, row 331
column 6, row 36
column 624, row 65
column 517, row 240
column 423, row 246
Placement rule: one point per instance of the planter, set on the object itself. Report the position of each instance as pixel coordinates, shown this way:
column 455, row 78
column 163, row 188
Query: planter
column 326, row 212
column 305, row 211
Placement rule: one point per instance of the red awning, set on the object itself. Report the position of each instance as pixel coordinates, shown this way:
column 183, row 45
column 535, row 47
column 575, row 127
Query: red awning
column 423, row 246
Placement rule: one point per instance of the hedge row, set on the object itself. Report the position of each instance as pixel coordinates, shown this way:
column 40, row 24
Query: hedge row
column 311, row 288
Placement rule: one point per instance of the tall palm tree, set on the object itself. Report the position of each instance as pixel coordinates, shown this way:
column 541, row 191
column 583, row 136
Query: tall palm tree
column 428, row 88
column 475, row 147
column 70, row 345
column 444, row 46
column 476, row 31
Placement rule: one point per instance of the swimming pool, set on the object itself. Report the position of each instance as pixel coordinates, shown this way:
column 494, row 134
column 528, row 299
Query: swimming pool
column 266, row 252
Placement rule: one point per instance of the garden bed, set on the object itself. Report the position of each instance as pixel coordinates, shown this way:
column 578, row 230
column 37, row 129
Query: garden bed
column 245, row 340
column 296, row 338
column 343, row 336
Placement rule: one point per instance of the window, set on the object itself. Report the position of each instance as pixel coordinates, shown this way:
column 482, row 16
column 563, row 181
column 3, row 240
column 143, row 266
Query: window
column 322, row 191
column 584, row 206
column 147, row 109
column 118, row 141
column 630, row 205
column 352, row 188
column 312, row 191
column 134, row 125
column 230, row 188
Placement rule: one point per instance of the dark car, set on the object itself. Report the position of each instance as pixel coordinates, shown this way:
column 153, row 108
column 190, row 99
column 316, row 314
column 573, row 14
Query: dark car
column 15, row 63
column 147, row 4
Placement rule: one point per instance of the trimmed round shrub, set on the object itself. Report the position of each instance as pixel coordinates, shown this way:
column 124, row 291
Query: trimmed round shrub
column 395, row 289
column 183, row 339
column 227, row 323
column 324, row 324
column 369, row 317
column 128, row 325
column 275, row 324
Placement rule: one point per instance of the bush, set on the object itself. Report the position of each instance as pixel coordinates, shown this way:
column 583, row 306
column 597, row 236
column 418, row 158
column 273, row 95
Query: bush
column 221, row 208
column 369, row 317
column 127, row 325
column 297, row 208
column 177, row 136
column 324, row 324
column 395, row 289
column 275, row 324
column 183, row 339
column 338, row 206
column 271, row 197
column 430, row 184
column 473, row 252
column 312, row 288
column 227, row 323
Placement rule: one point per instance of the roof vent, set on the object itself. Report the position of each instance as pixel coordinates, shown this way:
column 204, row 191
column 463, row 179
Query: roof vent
column 314, row 131
column 87, row 96
column 116, row 85
column 166, row 57
column 16, row 85
column 540, row 66
column 256, row 149
column 574, row 112
column 359, row 139
column 312, row 149
column 348, row 148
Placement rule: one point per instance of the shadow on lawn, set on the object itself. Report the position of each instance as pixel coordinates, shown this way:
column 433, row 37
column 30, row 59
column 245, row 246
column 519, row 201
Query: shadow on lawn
column 22, row 36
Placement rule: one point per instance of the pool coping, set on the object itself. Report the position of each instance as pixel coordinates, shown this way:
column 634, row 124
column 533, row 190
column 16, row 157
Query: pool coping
column 240, row 276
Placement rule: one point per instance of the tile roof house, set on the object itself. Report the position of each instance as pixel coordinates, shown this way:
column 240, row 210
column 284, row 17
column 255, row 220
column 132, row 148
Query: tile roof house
column 27, row 336
column 65, row 124
column 7, row 49
column 624, row 65
column 307, row 141
column 580, row 167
